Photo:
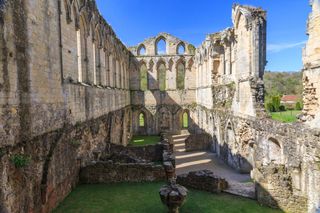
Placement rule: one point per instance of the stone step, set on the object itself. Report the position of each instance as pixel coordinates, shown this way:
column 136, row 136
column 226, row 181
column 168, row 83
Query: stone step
column 184, row 136
column 178, row 140
column 242, row 189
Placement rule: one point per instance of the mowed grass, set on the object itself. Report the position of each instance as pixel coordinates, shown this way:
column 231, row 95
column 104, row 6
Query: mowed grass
column 144, row 198
column 286, row 117
column 144, row 140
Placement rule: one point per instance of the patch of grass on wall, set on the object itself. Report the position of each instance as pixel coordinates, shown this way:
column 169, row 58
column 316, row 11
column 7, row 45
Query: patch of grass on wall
column 144, row 198
column 20, row 160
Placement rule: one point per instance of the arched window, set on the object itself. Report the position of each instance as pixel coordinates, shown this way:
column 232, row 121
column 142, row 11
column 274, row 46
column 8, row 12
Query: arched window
column 161, row 47
column 107, row 66
column 162, row 77
column 141, row 120
column 97, row 64
column 185, row 120
column 82, row 52
column 181, row 49
column 216, row 66
column 118, row 74
column 79, row 55
column 111, row 70
column 180, row 75
column 114, row 72
column 274, row 151
column 143, row 77
column 141, row 50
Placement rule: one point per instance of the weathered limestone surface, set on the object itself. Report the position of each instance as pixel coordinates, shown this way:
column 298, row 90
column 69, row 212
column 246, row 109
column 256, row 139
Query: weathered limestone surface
column 109, row 172
column 49, row 115
column 198, row 142
column 149, row 153
column 70, row 90
column 311, row 77
column 163, row 109
column 203, row 180
column 283, row 159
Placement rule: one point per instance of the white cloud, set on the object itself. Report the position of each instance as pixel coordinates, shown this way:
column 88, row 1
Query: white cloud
column 280, row 47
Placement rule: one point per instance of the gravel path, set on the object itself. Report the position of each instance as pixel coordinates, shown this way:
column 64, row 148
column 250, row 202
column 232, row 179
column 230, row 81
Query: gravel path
column 239, row 184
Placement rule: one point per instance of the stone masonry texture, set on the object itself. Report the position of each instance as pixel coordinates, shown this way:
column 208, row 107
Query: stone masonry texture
column 71, row 92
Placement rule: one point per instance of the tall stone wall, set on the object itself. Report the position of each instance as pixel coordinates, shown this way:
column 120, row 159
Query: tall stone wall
column 68, row 87
column 235, row 57
column 64, row 94
column 282, row 158
column 311, row 70
column 162, row 107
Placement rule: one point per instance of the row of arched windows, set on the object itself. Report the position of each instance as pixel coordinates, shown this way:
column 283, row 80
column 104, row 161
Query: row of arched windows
column 115, row 71
column 185, row 120
column 96, row 65
column 161, row 77
column 161, row 48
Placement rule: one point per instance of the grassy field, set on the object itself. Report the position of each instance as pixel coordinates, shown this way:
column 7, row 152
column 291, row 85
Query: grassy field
column 144, row 140
column 286, row 117
column 144, row 198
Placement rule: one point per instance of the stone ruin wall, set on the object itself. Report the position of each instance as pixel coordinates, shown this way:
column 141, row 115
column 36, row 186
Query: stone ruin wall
column 64, row 94
column 79, row 82
column 283, row 159
column 235, row 82
column 163, row 109
column 311, row 70
column 234, row 59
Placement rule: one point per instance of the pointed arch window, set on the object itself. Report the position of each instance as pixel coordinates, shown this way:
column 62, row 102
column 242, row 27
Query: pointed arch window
column 185, row 120
column 97, row 64
column 141, row 120
column 143, row 77
column 141, row 50
column 181, row 49
column 82, row 52
column 161, row 47
column 181, row 70
column 162, row 77
column 274, row 151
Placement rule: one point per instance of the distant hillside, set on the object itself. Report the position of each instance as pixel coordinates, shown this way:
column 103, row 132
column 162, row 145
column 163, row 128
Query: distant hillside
column 283, row 83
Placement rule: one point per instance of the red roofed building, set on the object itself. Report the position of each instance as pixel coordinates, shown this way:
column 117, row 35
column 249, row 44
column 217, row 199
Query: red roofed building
column 289, row 100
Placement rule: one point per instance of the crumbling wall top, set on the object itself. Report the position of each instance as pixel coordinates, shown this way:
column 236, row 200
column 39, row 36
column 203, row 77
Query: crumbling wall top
column 251, row 13
column 172, row 46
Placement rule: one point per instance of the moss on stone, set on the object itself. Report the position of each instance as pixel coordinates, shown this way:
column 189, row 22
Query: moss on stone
column 20, row 160
column 76, row 143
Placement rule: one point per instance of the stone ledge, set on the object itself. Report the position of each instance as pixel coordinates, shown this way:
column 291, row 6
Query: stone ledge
column 109, row 172
column 203, row 180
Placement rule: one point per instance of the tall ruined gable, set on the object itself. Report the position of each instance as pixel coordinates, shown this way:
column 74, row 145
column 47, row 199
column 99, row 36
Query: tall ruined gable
column 311, row 70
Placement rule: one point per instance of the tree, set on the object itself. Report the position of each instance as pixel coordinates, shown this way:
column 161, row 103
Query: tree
column 270, row 107
column 276, row 103
column 298, row 106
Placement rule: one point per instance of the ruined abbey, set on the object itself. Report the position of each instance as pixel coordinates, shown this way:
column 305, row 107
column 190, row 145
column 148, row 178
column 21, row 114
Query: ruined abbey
column 69, row 89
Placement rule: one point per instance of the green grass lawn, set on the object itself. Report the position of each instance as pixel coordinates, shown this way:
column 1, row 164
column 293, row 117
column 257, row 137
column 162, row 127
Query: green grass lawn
column 144, row 140
column 286, row 117
column 144, row 198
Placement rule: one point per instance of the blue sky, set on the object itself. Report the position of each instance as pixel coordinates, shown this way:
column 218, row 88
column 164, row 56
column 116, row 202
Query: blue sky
column 135, row 20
